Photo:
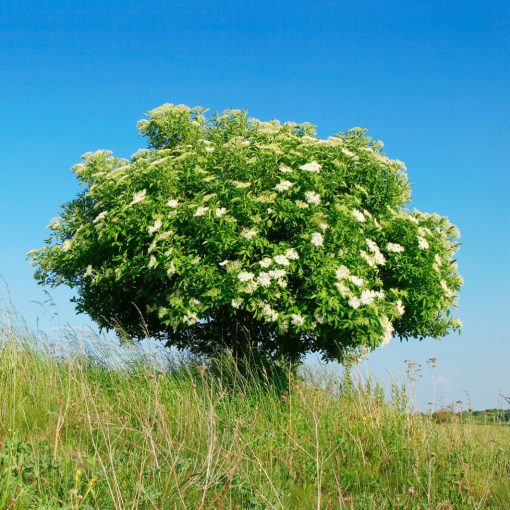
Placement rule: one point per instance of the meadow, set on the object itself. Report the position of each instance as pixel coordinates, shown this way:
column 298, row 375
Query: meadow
column 79, row 431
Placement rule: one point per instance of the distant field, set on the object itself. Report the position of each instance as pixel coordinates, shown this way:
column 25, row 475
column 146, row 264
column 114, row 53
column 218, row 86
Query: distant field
column 76, row 433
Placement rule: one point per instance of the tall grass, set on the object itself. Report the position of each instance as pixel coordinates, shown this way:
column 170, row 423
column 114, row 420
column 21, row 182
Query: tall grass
column 77, row 431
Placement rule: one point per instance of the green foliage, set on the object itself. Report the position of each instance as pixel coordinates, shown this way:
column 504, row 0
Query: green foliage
column 232, row 232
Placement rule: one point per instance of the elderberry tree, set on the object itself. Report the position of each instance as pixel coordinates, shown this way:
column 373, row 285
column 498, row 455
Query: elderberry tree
column 229, row 232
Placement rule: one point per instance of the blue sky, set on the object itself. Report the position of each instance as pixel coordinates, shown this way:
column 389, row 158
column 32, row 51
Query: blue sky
column 429, row 78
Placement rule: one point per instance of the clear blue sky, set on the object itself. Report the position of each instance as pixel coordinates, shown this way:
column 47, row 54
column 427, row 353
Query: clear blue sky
column 429, row 78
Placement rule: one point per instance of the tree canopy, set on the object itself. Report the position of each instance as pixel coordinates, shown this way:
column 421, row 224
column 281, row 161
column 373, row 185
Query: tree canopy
column 230, row 232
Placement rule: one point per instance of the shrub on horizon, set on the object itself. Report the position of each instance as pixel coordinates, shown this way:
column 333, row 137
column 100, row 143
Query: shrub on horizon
column 231, row 232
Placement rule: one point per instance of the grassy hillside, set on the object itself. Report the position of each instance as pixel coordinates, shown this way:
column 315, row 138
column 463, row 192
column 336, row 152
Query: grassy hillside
column 77, row 433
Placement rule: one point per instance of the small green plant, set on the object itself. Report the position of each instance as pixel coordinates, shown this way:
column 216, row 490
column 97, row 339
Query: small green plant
column 232, row 232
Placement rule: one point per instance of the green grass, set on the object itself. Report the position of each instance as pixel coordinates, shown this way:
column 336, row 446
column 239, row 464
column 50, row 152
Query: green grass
column 76, row 433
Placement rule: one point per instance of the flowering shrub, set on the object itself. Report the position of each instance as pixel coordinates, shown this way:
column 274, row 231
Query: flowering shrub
column 232, row 232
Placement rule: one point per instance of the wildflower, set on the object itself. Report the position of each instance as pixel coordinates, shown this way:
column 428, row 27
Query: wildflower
column 251, row 287
column 283, row 186
column 354, row 302
column 155, row 227
column 347, row 152
column 190, row 318
column 394, row 247
column 342, row 272
column 388, row 330
column 282, row 260
column 399, row 306
column 277, row 273
column 172, row 203
column 264, row 279
column 89, row 271
column 313, row 166
column 323, row 226
column 313, row 198
column 248, row 233
column 171, row 269
column 237, row 302
column 270, row 314
column 317, row 239
column 100, row 216
column 220, row 211
column 422, row 243
column 67, row 245
column 201, row 210
column 152, row 262
column 209, row 149
column 367, row 297
column 281, row 282
column 356, row 280
column 297, row 319
column 358, row 215
column 292, row 254
column 370, row 260
column 138, row 197
column 54, row 224
column 457, row 323
column 285, row 169
column 447, row 290
column 245, row 276
column 266, row 262
column 301, row 204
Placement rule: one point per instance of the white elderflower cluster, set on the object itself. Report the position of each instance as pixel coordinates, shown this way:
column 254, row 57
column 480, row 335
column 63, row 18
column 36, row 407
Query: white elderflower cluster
column 448, row 292
column 399, row 307
column 264, row 279
column 89, row 271
column 248, row 233
column 312, row 198
column 292, row 254
column 297, row 319
column 388, row 330
column 356, row 280
column 302, row 204
column 237, row 302
column 154, row 228
column 436, row 266
column 313, row 167
column 282, row 260
column 173, row 203
column 342, row 272
column 54, row 224
column 317, row 239
column 347, row 152
column 378, row 257
column 152, row 262
column 67, row 245
column 201, row 210
column 220, row 211
column 286, row 169
column 395, row 248
column 190, row 318
column 423, row 243
column 269, row 313
column 100, row 216
column 266, row 262
column 323, row 226
column 354, row 302
column 283, row 186
column 358, row 215
column 138, row 197
column 277, row 273
column 245, row 276
column 368, row 296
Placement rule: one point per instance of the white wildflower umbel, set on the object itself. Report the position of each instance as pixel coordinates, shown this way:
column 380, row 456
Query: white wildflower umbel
column 317, row 239
column 266, row 262
column 312, row 198
column 342, row 272
column 358, row 215
column 277, row 273
column 100, row 216
column 282, row 260
column 248, row 233
column 237, row 302
column 154, row 228
column 399, row 307
column 264, row 279
column 220, row 211
column 285, row 169
column 297, row 319
column 313, row 167
column 245, row 276
column 190, row 318
column 269, row 313
column 356, row 280
column 423, row 243
column 387, row 330
column 354, row 302
column 283, row 186
column 173, row 203
column 138, row 197
column 292, row 254
column 395, row 248
column 201, row 210
column 302, row 204
column 67, row 245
